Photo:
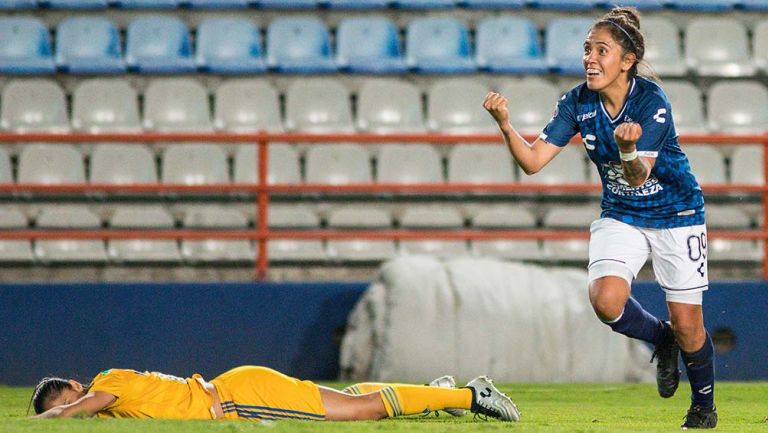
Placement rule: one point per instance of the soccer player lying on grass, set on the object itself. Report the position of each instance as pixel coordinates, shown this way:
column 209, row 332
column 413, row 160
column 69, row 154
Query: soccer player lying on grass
column 258, row 393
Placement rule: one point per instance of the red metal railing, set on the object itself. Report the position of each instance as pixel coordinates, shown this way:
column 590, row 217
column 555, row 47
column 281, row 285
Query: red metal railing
column 262, row 234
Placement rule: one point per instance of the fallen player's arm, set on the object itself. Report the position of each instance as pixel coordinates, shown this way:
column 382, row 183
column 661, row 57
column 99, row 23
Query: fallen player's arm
column 85, row 406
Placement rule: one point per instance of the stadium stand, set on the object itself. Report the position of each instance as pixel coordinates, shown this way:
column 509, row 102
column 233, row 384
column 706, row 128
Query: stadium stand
column 490, row 164
column 707, row 162
column 662, row 48
column 25, row 47
column 564, row 40
column 718, row 47
column 747, row 165
column 506, row 218
column 299, row 45
column 538, row 95
column 284, row 165
column 176, row 104
column 158, row 45
column 104, row 105
column 338, row 164
column 215, row 250
column 569, row 217
column 13, row 251
column 229, row 46
column 33, row 105
column 142, row 250
column 687, row 101
column 318, row 105
column 247, row 105
column 368, row 45
column 51, row 164
column 738, row 106
column 432, row 217
column 389, row 106
column 453, row 108
column 194, row 164
column 519, row 54
column 147, row 4
column 88, row 45
column 438, row 45
column 66, row 250
column 283, row 217
column 352, row 218
column 411, row 163
column 122, row 164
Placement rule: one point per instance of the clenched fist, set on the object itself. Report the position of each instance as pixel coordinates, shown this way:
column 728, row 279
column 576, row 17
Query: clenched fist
column 497, row 107
column 626, row 135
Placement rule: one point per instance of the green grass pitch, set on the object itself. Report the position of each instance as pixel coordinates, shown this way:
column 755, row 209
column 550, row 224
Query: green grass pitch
column 742, row 407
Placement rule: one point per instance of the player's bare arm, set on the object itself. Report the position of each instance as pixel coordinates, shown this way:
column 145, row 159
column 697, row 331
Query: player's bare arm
column 636, row 169
column 84, row 407
column 531, row 157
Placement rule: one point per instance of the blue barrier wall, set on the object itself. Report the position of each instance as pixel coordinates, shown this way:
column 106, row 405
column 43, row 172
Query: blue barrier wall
column 76, row 330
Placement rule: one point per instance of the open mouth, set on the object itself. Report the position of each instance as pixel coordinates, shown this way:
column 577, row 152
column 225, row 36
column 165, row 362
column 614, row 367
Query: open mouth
column 593, row 72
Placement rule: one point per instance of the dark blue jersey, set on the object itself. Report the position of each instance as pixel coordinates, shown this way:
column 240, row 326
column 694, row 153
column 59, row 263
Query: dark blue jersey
column 671, row 197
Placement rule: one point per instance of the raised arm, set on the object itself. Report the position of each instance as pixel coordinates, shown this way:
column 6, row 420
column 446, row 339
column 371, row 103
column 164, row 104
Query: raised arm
column 85, row 406
column 636, row 168
column 531, row 157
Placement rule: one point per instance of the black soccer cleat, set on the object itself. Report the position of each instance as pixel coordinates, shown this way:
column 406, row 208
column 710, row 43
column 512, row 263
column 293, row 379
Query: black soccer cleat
column 667, row 370
column 700, row 417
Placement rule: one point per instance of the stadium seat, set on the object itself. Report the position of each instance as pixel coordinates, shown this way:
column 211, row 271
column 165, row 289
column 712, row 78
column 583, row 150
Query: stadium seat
column 338, row 164
column 718, row 47
column 567, row 167
column 122, row 164
column 479, row 164
column 386, row 106
column 493, row 4
column 368, row 45
column 520, row 52
column 455, row 106
column 76, row 4
column 357, row 4
column 577, row 217
column 283, row 164
column 147, row 4
column 706, row 162
column 725, row 217
column 6, row 171
column 432, row 217
column 33, row 105
column 50, row 164
column 565, row 44
column 229, row 46
column 639, row 4
column 571, row 5
column 687, row 105
column 702, row 5
column 319, row 105
column 69, row 250
column 505, row 218
column 216, row 250
column 662, row 47
column 738, row 107
column 760, row 44
column 158, row 45
column 176, row 104
column 287, row 4
column 536, row 98
column 247, row 105
column 147, row 217
column 88, row 45
column 424, row 4
column 14, row 250
column 299, row 45
column 756, row 5
column 438, row 45
column 25, row 47
column 105, row 105
column 359, row 218
column 217, row 4
column 409, row 164
column 294, row 217
column 747, row 165
column 15, row 5
column 195, row 164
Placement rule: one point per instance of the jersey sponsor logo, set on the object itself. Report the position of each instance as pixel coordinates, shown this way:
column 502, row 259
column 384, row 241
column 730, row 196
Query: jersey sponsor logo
column 586, row 116
column 613, row 172
column 628, row 119
column 659, row 116
column 589, row 141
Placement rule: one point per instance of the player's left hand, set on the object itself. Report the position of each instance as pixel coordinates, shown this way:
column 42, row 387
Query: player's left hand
column 626, row 135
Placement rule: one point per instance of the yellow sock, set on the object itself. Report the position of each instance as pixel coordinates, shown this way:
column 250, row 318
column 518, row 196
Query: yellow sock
column 364, row 388
column 414, row 399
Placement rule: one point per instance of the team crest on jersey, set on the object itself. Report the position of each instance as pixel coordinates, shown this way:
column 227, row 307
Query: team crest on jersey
column 613, row 172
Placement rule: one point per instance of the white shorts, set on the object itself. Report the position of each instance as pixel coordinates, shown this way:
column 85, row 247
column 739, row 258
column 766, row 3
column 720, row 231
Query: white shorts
column 679, row 256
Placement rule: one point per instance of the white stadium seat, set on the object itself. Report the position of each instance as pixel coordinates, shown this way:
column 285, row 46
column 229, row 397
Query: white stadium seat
column 432, row 217
column 480, row 163
column 738, row 107
column 14, row 250
column 455, row 106
column 214, row 250
column 706, row 162
column 726, row 217
column 687, row 106
column 338, row 164
column 247, row 105
column 410, row 163
column 122, row 164
column 51, row 164
column 176, row 104
column 294, row 217
column 318, row 105
column 33, row 105
column 105, row 105
column 505, row 218
column 747, row 165
column 351, row 218
column 718, row 47
column 66, row 250
column 760, row 45
column 389, row 106
column 150, row 217
column 195, row 164
column 6, row 171
column 568, row 166
column 283, row 163
column 569, row 217
column 662, row 47
column 531, row 103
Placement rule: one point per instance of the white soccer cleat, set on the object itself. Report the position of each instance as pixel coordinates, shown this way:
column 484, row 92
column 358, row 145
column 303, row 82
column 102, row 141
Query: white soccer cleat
column 487, row 400
column 448, row 382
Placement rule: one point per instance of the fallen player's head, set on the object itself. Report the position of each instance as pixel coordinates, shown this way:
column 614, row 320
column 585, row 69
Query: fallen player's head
column 55, row 391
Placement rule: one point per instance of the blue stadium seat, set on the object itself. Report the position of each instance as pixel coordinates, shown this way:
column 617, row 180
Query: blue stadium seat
column 565, row 44
column 10, row 5
column 493, row 4
column 702, row 5
column 424, row 4
column 299, row 45
column 576, row 5
column 157, row 44
column 229, row 46
column 88, row 45
column 508, row 44
column 287, row 4
column 75, row 4
column 368, row 45
column 357, row 4
column 640, row 4
column 438, row 45
column 147, row 4
column 217, row 4
column 759, row 5
column 24, row 47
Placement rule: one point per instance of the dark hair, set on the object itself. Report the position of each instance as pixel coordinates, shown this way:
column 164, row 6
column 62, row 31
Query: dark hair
column 48, row 389
column 624, row 24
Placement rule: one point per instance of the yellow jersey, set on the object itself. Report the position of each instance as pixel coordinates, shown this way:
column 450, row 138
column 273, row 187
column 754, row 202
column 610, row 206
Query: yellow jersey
column 153, row 395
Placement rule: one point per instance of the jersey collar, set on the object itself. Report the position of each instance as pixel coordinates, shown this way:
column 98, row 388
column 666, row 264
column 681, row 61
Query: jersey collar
column 623, row 107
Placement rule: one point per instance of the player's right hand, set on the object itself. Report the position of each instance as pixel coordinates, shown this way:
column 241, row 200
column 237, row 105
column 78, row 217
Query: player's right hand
column 496, row 105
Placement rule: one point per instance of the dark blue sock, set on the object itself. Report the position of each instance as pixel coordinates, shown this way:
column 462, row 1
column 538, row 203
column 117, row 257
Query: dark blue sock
column 635, row 322
column 700, row 367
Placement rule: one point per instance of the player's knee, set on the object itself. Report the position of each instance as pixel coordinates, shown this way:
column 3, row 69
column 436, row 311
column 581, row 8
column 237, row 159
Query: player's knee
column 689, row 333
